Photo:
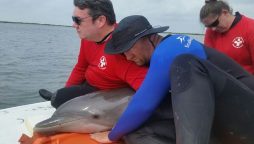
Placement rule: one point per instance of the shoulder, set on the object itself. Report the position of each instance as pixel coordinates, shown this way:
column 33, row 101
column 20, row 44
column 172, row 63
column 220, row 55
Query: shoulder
column 178, row 41
column 247, row 25
column 244, row 17
column 246, row 21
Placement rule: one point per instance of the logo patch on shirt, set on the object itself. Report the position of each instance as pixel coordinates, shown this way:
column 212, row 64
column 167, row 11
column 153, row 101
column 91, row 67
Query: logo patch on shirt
column 103, row 63
column 185, row 40
column 238, row 42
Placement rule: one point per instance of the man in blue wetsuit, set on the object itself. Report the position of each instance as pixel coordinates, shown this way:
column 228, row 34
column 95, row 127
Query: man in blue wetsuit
column 212, row 96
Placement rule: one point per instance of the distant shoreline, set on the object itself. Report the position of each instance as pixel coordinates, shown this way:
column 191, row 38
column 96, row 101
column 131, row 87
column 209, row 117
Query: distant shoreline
column 71, row 26
column 33, row 23
column 182, row 33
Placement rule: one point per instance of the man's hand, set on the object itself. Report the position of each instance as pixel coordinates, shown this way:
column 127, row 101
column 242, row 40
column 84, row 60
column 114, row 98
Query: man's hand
column 101, row 137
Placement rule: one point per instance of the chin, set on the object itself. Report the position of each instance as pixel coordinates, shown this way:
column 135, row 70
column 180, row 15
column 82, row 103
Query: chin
column 80, row 36
column 139, row 63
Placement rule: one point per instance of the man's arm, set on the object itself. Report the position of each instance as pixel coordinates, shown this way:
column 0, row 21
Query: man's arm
column 77, row 75
column 156, row 84
column 143, row 103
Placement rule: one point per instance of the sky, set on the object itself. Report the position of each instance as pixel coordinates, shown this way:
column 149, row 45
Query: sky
column 181, row 15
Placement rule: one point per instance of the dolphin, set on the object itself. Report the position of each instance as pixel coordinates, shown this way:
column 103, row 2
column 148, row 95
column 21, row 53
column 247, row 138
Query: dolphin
column 90, row 113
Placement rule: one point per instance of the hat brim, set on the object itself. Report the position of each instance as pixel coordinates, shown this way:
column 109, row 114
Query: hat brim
column 111, row 49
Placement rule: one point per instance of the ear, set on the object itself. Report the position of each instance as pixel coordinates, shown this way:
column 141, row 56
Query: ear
column 101, row 21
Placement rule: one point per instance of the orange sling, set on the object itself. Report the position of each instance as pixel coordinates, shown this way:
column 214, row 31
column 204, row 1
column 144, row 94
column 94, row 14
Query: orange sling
column 63, row 138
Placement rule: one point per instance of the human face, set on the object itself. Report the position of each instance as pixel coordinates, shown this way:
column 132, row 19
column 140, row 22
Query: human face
column 78, row 20
column 84, row 24
column 140, row 52
column 216, row 22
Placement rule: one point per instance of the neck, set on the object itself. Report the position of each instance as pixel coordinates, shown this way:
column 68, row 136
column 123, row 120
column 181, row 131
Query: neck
column 231, row 19
column 104, row 32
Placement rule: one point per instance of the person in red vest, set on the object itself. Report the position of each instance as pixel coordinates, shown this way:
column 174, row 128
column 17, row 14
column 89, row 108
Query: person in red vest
column 230, row 34
column 95, row 70
column 94, row 22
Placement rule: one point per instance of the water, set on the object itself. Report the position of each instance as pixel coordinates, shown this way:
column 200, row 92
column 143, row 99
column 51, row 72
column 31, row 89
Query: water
column 33, row 57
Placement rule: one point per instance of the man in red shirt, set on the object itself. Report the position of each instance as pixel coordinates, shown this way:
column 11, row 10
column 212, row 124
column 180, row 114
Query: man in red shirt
column 228, row 33
column 94, row 21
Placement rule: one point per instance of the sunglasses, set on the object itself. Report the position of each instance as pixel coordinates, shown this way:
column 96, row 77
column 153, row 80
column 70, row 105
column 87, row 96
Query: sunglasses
column 214, row 24
column 78, row 20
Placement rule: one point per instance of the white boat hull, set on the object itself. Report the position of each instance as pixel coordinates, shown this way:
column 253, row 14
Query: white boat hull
column 17, row 120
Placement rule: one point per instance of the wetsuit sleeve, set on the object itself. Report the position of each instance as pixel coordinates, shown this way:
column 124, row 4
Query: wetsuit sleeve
column 156, row 84
column 145, row 100
column 77, row 75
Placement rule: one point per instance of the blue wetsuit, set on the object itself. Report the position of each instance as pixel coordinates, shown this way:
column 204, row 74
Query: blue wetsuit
column 156, row 84
column 208, row 89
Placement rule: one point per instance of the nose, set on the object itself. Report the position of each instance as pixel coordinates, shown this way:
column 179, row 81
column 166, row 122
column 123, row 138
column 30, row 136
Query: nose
column 74, row 25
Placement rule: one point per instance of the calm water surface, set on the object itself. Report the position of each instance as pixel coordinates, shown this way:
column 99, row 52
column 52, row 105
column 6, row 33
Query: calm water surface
column 33, row 57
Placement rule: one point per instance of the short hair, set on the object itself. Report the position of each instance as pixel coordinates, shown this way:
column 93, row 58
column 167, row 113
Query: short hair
column 214, row 7
column 98, row 8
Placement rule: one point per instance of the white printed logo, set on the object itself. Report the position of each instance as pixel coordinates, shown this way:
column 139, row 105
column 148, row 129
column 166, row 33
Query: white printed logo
column 187, row 42
column 238, row 42
column 103, row 63
column 181, row 38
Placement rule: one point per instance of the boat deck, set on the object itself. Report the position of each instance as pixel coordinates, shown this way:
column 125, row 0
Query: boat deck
column 13, row 121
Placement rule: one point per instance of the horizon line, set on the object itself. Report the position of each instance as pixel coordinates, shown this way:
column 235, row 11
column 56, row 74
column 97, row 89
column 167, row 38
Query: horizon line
column 71, row 26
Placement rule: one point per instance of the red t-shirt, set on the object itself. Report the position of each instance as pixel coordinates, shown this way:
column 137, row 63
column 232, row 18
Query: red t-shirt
column 238, row 42
column 105, row 71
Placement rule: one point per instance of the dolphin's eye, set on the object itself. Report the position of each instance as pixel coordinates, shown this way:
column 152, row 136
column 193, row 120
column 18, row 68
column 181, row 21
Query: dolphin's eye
column 96, row 116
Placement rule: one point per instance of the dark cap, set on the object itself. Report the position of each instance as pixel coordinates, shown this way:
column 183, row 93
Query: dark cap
column 128, row 31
